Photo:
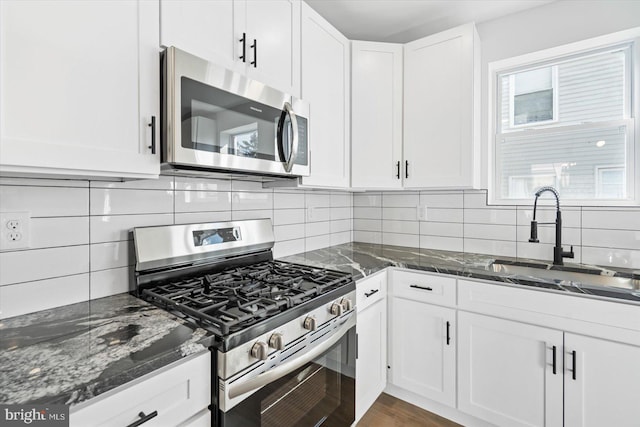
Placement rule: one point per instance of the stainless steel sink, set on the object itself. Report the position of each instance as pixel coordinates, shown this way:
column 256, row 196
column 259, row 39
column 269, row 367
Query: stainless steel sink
column 579, row 279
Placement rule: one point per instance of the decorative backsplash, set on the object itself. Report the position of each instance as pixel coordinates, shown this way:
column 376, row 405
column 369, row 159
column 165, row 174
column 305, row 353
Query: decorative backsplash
column 81, row 249
column 462, row 221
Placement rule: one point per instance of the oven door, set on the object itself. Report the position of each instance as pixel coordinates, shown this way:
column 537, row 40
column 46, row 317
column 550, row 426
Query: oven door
column 320, row 391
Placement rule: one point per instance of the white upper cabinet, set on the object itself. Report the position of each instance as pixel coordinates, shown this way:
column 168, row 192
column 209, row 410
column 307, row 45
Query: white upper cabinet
column 259, row 38
column 325, row 86
column 79, row 86
column 376, row 115
column 441, row 110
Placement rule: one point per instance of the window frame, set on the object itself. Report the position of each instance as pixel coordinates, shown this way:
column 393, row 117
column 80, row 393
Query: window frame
column 512, row 95
column 552, row 56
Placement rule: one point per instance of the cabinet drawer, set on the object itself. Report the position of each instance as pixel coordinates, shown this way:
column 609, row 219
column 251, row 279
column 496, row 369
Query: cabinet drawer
column 371, row 289
column 423, row 287
column 176, row 394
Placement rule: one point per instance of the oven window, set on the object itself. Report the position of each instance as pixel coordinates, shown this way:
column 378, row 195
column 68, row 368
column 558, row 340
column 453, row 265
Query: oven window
column 322, row 392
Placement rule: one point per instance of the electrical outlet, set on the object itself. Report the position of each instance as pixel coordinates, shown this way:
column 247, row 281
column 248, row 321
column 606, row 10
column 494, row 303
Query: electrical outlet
column 422, row 212
column 14, row 230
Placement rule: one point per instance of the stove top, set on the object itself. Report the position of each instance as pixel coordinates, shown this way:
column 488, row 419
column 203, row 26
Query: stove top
column 237, row 298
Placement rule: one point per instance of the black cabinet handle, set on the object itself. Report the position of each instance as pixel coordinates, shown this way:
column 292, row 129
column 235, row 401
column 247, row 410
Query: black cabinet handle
column 398, row 171
column 243, row 40
column 573, row 364
column 152, row 125
column 448, row 332
column 143, row 418
column 554, row 360
column 424, row 288
column 357, row 345
column 254, row 46
column 368, row 294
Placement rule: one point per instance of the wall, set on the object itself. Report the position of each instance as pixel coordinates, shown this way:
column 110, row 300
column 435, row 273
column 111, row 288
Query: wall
column 462, row 221
column 80, row 242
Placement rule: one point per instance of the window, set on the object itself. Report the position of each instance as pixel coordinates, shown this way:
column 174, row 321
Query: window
column 565, row 120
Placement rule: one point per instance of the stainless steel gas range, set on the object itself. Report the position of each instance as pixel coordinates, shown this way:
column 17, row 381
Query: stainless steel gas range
column 285, row 333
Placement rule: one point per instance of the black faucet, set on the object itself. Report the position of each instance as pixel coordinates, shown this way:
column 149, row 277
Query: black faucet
column 558, row 253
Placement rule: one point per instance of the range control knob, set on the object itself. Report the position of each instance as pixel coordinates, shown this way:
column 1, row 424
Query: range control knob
column 310, row 323
column 336, row 309
column 276, row 341
column 260, row 350
column 346, row 304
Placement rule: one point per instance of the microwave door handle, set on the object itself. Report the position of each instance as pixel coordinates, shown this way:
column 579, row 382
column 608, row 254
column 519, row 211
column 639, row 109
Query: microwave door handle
column 284, row 369
column 288, row 165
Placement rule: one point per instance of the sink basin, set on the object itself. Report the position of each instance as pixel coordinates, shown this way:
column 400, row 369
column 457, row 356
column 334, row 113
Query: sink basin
column 573, row 278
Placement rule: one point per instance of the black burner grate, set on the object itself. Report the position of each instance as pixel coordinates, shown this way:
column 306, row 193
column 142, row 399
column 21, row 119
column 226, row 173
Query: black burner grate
column 236, row 298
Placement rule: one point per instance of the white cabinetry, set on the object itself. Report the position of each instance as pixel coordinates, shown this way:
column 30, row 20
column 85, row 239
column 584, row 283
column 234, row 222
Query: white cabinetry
column 376, row 115
column 79, row 86
column 266, row 31
column 179, row 394
column 422, row 337
column 506, row 371
column 605, row 387
column 441, row 110
column 371, row 365
column 325, row 86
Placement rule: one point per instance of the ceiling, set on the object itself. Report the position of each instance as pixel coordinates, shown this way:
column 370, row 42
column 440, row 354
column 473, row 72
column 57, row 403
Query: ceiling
column 401, row 21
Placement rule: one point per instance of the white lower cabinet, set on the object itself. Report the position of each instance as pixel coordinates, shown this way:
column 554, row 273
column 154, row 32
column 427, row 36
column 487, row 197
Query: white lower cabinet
column 423, row 349
column 601, row 382
column 371, row 329
column 506, row 371
column 178, row 395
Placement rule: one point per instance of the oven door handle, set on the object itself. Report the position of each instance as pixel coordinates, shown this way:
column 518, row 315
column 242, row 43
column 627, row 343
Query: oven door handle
column 282, row 370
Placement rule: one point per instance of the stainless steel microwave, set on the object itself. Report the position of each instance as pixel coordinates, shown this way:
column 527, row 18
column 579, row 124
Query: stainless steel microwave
column 215, row 119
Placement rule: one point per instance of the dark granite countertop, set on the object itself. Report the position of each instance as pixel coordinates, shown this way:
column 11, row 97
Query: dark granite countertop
column 364, row 259
column 69, row 354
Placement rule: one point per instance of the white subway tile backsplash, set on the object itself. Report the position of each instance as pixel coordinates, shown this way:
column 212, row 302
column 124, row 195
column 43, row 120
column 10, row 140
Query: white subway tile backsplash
column 624, row 239
column 288, row 247
column 317, row 228
column 340, row 238
column 202, row 201
column 340, row 200
column 107, row 201
column 317, row 242
column 547, row 234
column 318, row 200
column 367, row 224
column 44, row 182
column 341, row 226
column 201, row 184
column 395, row 239
column 570, row 216
column 288, row 232
column 43, row 294
column 544, row 251
column 442, row 243
column 317, row 214
column 162, row 183
column 112, row 255
column 340, row 213
column 442, row 229
column 367, row 199
column 491, row 232
column 112, row 228
column 613, row 257
column 404, row 227
column 491, row 247
column 288, row 200
column 367, row 236
column 490, row 216
column 445, row 215
column 288, row 216
column 400, row 200
column 104, row 283
column 45, row 201
column 611, row 219
column 367, row 212
column 244, row 200
column 252, row 214
column 477, row 200
column 195, row 217
column 255, row 186
column 401, row 214
column 40, row 264
column 51, row 232
column 442, row 200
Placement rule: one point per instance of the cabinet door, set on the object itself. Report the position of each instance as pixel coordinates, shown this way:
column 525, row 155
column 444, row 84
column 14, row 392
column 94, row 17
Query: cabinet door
column 441, row 110
column 275, row 26
column 423, row 349
column 606, row 386
column 371, row 365
column 506, row 372
column 78, row 87
column 325, row 86
column 376, row 115
column 203, row 28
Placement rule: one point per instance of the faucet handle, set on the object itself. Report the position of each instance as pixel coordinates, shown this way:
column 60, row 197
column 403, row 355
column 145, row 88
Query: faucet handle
column 569, row 254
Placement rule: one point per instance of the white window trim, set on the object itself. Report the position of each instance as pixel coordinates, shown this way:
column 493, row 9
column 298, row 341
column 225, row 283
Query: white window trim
column 553, row 54
column 599, row 169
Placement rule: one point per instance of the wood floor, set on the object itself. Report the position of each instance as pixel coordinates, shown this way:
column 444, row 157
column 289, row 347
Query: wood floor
column 387, row 411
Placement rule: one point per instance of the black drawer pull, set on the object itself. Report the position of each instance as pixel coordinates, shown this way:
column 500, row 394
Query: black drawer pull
column 573, row 364
column 448, row 332
column 243, row 40
column 554, row 360
column 143, row 418
column 398, row 171
column 368, row 294
column 424, row 288
column 152, row 125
